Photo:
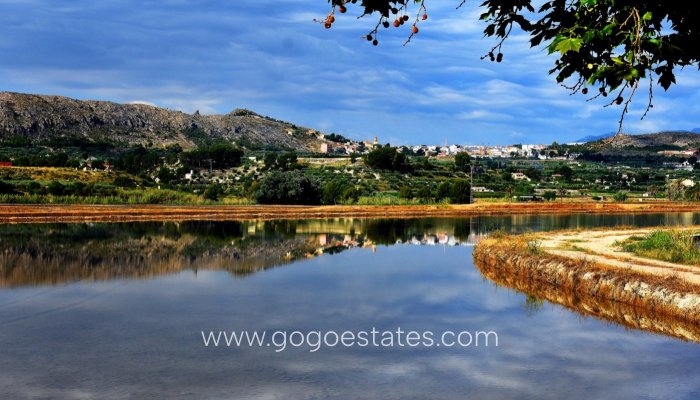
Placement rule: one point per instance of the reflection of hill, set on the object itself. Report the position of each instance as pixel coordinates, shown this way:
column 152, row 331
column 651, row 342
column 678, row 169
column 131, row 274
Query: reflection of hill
column 53, row 256
column 50, row 254
column 62, row 253
column 620, row 313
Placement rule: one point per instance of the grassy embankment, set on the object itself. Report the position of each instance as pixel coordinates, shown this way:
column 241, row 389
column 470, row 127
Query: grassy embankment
column 521, row 258
column 671, row 246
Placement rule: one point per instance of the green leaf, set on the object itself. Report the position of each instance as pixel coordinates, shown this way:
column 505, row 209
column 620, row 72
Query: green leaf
column 569, row 44
column 647, row 16
column 607, row 30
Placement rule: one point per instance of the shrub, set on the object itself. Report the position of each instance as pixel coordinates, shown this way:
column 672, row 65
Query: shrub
column 124, row 181
column 405, row 192
column 673, row 246
column 338, row 191
column 620, row 196
column 35, row 187
column 549, row 195
column 6, row 187
column 56, row 188
column 213, row 192
column 443, row 191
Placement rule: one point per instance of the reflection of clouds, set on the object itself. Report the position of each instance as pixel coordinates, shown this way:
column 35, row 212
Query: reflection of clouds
column 140, row 339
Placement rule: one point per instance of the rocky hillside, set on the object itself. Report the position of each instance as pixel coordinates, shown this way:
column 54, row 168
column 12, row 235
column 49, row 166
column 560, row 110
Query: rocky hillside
column 39, row 117
column 662, row 139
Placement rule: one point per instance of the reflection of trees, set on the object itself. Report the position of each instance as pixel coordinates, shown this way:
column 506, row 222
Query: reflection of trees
column 49, row 254
column 56, row 253
column 59, row 253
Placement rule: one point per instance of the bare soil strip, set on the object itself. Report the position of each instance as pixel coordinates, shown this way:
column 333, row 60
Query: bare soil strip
column 600, row 247
column 11, row 213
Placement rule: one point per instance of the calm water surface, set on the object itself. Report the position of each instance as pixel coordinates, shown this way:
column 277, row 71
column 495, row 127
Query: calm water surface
column 112, row 311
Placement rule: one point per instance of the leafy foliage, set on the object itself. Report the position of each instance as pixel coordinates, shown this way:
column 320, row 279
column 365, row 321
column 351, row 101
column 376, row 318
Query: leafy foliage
column 610, row 45
column 285, row 162
column 339, row 191
column 549, row 195
column 463, row 162
column 288, row 187
column 458, row 191
column 334, row 137
column 218, row 156
column 387, row 158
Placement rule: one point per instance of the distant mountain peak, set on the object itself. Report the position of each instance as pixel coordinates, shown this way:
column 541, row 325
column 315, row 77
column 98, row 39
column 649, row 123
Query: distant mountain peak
column 593, row 138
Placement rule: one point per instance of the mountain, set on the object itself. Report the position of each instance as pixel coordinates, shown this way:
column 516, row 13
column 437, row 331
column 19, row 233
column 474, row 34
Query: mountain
column 661, row 139
column 593, row 138
column 40, row 117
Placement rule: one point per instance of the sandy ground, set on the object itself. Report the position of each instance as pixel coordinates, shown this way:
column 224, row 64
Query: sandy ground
column 19, row 213
column 599, row 246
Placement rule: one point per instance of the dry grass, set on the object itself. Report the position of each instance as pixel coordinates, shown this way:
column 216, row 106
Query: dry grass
column 54, row 174
column 512, row 256
column 51, row 213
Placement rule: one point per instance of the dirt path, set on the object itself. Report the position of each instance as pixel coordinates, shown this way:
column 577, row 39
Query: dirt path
column 599, row 247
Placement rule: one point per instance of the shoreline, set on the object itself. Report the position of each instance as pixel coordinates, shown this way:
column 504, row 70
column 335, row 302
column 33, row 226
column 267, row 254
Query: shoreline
column 522, row 262
column 51, row 213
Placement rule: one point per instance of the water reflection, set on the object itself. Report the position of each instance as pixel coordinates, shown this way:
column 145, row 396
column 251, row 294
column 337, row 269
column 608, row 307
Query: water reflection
column 61, row 253
column 105, row 338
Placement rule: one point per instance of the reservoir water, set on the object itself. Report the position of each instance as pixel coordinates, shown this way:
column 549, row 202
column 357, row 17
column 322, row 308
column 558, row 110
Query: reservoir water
column 117, row 311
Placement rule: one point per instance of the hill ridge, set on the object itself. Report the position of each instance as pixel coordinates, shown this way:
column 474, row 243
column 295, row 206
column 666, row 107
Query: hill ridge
column 37, row 117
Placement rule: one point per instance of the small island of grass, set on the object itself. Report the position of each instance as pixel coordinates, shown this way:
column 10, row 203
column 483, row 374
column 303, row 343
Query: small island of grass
column 665, row 245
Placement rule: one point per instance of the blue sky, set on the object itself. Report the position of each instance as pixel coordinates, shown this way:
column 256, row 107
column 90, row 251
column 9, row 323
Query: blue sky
column 269, row 56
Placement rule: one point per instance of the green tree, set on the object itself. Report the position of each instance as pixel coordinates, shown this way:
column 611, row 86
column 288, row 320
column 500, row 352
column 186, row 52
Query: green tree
column 338, row 191
column 387, row 158
column 56, row 188
column 217, row 156
column 620, row 196
column 288, row 187
column 213, row 192
column 608, row 45
column 463, row 162
column 692, row 193
column 549, row 195
column 460, row 192
column 405, row 192
column 285, row 162
column 6, row 187
column 565, row 171
column 165, row 175
column 443, row 191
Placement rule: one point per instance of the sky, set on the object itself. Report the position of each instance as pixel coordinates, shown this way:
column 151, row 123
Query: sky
column 270, row 57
